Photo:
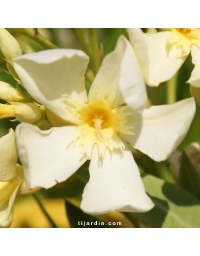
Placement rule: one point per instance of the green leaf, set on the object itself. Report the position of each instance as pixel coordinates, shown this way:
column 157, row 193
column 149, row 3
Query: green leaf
column 79, row 219
column 189, row 178
column 174, row 207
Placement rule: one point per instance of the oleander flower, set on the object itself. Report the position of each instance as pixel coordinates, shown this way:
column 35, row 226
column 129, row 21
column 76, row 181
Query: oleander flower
column 100, row 126
column 161, row 54
column 12, row 183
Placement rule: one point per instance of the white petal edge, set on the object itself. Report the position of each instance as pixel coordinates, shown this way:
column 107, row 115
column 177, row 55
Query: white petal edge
column 194, row 79
column 8, row 156
column 160, row 129
column 158, row 60
column 120, row 77
column 46, row 156
column 47, row 75
column 23, row 190
column 115, row 185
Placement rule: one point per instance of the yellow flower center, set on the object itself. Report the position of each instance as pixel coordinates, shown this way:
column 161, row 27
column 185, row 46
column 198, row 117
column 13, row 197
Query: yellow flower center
column 188, row 32
column 98, row 123
column 99, row 118
column 183, row 38
column 95, row 116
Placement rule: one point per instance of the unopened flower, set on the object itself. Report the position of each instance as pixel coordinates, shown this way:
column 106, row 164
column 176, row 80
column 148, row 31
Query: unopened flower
column 10, row 94
column 161, row 54
column 99, row 126
column 23, row 112
column 12, row 183
column 9, row 45
column 19, row 105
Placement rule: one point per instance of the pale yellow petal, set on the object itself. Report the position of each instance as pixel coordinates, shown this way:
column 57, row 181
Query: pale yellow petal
column 8, row 156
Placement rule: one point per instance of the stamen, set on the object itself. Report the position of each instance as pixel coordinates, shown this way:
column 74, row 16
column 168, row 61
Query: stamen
column 97, row 125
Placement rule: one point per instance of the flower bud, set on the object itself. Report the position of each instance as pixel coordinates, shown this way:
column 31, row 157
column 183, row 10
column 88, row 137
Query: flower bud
column 174, row 164
column 6, row 111
column 9, row 45
column 28, row 113
column 10, row 94
column 193, row 153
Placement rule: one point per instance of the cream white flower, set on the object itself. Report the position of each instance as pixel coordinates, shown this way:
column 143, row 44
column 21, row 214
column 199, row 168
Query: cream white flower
column 162, row 54
column 97, row 126
column 12, row 183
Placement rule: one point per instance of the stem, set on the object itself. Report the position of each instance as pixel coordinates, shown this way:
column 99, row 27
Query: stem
column 34, row 34
column 44, row 42
column 95, row 57
column 171, row 89
column 83, row 40
column 44, row 211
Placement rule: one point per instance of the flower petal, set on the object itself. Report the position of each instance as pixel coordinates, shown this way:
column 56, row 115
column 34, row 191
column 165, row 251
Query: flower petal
column 23, row 190
column 115, row 185
column 48, row 156
column 8, row 191
column 159, row 60
column 120, row 71
column 8, row 158
column 160, row 129
column 47, row 75
column 195, row 76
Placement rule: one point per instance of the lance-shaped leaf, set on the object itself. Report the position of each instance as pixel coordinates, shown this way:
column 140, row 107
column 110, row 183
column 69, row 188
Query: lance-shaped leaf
column 174, row 207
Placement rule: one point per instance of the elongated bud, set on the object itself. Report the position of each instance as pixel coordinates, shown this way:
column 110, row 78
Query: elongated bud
column 28, row 113
column 9, row 45
column 6, row 111
column 10, row 94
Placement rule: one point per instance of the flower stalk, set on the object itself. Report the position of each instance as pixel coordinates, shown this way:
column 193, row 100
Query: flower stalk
column 44, row 211
column 96, row 62
column 83, row 40
column 171, row 89
column 37, row 37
